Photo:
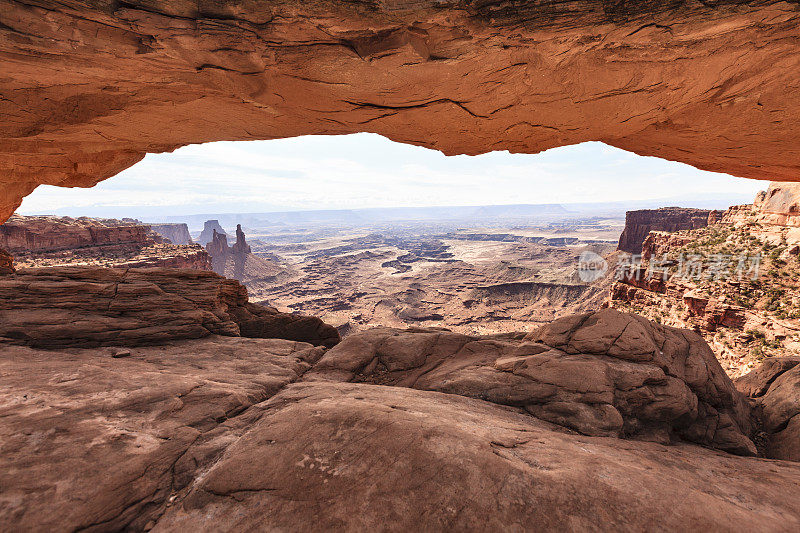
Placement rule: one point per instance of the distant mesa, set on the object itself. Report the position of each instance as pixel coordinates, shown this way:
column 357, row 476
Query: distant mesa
column 174, row 233
column 639, row 224
column 45, row 241
column 207, row 235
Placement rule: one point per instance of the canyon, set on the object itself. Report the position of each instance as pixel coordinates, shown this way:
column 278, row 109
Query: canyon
column 206, row 409
column 474, row 280
column 408, row 375
column 734, row 281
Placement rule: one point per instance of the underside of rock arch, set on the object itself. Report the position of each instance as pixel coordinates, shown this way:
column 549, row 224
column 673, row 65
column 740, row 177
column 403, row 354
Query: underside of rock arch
column 87, row 88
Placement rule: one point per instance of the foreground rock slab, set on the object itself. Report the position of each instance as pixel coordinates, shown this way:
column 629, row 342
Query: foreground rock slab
column 91, row 306
column 605, row 373
column 89, row 441
column 357, row 457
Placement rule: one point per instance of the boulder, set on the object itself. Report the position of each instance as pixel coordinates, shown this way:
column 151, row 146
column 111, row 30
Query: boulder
column 756, row 383
column 775, row 388
column 605, row 373
column 359, row 457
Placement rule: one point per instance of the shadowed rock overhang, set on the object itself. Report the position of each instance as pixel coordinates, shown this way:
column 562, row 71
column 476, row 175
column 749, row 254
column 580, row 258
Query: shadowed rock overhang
column 89, row 87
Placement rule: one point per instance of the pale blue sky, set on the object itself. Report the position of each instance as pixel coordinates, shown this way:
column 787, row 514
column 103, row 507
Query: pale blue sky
column 366, row 170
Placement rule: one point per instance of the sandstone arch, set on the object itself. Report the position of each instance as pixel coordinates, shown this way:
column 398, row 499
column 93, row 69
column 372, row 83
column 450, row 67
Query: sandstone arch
column 89, row 87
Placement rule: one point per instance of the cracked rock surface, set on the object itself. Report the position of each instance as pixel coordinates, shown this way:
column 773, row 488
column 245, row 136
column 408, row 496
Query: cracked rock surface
column 233, row 433
column 89, row 88
column 605, row 374
column 92, row 442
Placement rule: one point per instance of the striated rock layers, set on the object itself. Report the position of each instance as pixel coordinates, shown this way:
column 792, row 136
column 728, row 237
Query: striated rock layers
column 49, row 233
column 777, row 206
column 209, row 228
column 91, row 87
column 59, row 241
column 438, row 431
column 6, row 262
column 174, row 233
column 89, row 306
column 638, row 224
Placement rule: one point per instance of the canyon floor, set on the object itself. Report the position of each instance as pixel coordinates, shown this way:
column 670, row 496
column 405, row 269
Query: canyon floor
column 479, row 280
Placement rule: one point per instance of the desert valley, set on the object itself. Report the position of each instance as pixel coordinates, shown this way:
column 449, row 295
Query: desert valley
column 442, row 302
column 509, row 326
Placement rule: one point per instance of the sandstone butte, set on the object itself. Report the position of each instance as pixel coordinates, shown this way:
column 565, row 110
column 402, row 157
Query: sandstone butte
column 89, row 88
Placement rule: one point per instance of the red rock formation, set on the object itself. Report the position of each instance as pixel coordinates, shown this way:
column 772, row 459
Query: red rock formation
column 90, row 87
column 639, row 224
column 237, row 261
column 218, row 249
column 6, row 262
column 775, row 387
column 657, row 243
column 88, row 306
column 54, row 241
column 603, row 374
column 229, row 433
column 240, row 246
column 209, row 228
column 48, row 234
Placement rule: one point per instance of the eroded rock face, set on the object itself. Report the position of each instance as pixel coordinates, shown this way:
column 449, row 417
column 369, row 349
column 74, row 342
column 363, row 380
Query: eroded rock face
column 87, row 306
column 91, row 87
column 6, row 262
column 416, row 460
column 38, row 234
column 174, row 233
column 92, row 441
column 639, row 224
column 238, row 262
column 230, row 433
column 775, row 387
column 61, row 241
column 605, row 374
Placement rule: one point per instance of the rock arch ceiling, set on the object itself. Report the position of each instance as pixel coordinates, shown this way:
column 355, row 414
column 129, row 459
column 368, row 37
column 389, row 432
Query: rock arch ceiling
column 87, row 88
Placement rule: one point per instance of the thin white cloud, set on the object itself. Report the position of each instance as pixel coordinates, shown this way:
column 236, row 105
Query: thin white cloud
column 366, row 170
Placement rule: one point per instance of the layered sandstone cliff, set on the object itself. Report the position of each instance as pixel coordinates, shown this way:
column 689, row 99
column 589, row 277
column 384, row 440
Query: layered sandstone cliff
column 91, row 87
column 58, row 241
column 639, row 224
column 174, row 233
column 92, row 306
column 35, row 234
column 734, row 281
